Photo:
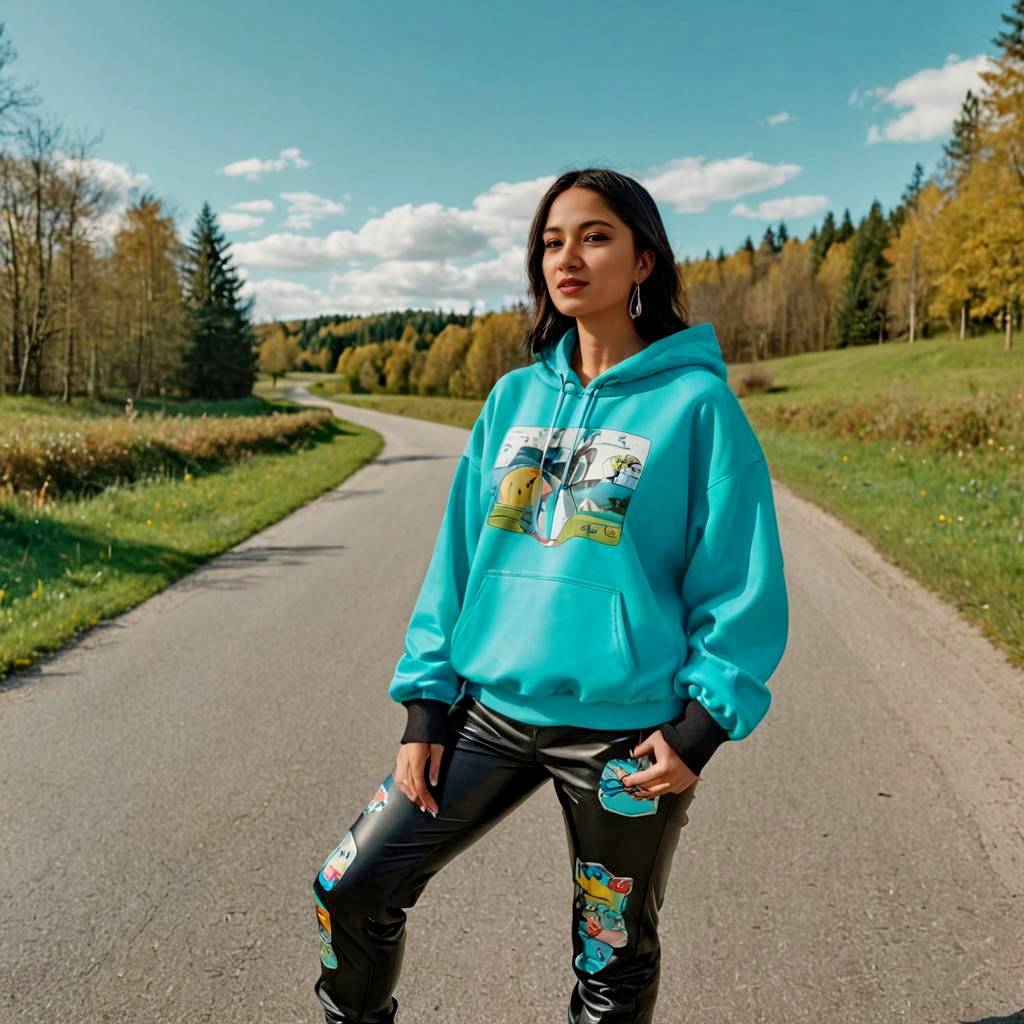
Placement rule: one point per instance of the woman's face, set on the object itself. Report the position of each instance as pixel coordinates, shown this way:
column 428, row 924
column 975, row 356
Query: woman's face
column 584, row 239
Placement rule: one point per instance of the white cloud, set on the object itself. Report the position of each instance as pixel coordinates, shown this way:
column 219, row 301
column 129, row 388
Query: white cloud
column 428, row 254
column 254, row 166
column 689, row 185
column 117, row 180
column 238, row 221
column 930, row 98
column 305, row 207
column 255, row 206
column 780, row 118
column 784, row 208
column 427, row 282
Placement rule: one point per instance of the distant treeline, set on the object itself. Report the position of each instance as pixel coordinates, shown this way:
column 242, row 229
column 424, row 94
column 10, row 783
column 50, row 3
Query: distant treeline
column 150, row 314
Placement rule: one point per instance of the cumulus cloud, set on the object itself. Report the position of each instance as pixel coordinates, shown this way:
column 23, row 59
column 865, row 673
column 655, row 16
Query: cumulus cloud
column 428, row 254
column 306, row 207
column 117, row 180
column 231, row 221
column 780, row 118
column 930, row 100
column 784, row 208
column 255, row 206
column 254, row 167
column 691, row 185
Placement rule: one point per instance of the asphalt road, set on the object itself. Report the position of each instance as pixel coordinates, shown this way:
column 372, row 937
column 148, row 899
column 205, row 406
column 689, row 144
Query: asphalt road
column 174, row 779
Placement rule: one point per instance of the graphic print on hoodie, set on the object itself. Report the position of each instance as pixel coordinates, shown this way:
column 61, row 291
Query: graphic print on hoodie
column 578, row 489
column 607, row 553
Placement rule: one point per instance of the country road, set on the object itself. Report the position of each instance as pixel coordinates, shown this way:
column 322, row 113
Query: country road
column 174, row 779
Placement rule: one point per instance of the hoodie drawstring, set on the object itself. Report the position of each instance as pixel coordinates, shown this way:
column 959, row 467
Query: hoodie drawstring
column 581, row 426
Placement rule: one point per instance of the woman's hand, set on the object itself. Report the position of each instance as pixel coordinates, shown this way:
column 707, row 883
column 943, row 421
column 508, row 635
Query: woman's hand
column 410, row 776
column 668, row 775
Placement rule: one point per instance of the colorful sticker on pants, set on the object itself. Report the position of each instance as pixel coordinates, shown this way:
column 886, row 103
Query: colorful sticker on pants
column 338, row 861
column 582, row 490
column 380, row 798
column 327, row 956
column 601, row 899
column 616, row 797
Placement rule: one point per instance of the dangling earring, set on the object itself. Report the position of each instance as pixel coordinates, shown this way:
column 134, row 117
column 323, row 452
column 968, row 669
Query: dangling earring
column 639, row 308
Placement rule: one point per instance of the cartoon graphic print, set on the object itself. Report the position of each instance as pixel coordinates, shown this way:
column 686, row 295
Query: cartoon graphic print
column 587, row 498
column 601, row 898
column 327, row 955
column 338, row 861
column 380, row 798
column 616, row 797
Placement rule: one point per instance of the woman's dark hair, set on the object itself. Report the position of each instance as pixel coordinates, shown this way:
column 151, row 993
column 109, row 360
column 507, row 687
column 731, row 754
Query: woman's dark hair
column 662, row 299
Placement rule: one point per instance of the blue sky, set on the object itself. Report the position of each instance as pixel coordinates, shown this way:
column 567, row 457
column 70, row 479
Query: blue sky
column 372, row 156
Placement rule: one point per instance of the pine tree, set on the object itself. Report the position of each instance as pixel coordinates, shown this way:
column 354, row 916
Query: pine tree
column 1012, row 42
column 222, row 357
column 908, row 201
column 958, row 155
column 846, row 228
column 782, row 237
column 823, row 241
column 860, row 311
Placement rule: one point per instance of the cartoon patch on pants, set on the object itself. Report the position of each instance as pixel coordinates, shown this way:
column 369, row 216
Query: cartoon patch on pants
column 601, row 898
column 616, row 797
column 380, row 798
column 338, row 861
column 327, row 956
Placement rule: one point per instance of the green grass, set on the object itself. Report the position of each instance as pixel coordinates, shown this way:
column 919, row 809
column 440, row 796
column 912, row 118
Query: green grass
column 67, row 565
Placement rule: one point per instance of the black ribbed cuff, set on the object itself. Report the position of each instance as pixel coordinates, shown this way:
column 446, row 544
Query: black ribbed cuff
column 695, row 736
column 426, row 722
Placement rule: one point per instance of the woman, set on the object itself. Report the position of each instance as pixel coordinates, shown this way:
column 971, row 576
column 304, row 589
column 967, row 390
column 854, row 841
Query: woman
column 603, row 607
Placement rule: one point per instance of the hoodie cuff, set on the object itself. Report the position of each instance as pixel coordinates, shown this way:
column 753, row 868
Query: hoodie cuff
column 426, row 722
column 695, row 736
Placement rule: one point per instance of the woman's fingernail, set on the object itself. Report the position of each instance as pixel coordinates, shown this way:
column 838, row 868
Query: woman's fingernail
column 434, row 813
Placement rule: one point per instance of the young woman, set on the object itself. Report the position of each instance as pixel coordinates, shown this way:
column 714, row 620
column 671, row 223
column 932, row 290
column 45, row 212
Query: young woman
column 604, row 606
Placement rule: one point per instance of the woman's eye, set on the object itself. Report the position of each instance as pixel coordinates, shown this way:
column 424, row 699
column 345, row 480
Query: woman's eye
column 593, row 234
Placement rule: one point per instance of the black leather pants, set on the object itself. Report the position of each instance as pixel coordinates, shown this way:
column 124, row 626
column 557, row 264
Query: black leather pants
column 620, row 854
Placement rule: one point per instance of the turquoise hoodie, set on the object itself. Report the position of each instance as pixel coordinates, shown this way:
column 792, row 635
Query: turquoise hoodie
column 608, row 552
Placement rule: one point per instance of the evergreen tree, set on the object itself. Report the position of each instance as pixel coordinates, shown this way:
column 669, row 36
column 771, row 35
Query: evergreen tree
column 768, row 241
column 959, row 153
column 908, row 201
column 783, row 236
column 846, row 229
column 860, row 310
column 1012, row 42
column 221, row 358
column 823, row 240
column 748, row 245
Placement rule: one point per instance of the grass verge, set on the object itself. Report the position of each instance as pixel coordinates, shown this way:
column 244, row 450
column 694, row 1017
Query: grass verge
column 66, row 565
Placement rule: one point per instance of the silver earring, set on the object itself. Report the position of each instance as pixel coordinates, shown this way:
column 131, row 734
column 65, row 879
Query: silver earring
column 639, row 308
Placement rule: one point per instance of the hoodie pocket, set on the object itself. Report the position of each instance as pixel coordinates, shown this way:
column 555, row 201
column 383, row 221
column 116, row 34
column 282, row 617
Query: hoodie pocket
column 545, row 635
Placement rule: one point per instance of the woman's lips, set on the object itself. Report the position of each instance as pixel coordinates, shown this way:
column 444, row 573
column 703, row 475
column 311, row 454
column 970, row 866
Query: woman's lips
column 569, row 288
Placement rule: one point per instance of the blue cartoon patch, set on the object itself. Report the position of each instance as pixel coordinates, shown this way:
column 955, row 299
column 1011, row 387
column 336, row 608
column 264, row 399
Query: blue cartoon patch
column 616, row 797
column 601, row 899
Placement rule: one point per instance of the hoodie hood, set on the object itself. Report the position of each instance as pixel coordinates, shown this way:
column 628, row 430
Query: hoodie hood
column 691, row 348
column 695, row 346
